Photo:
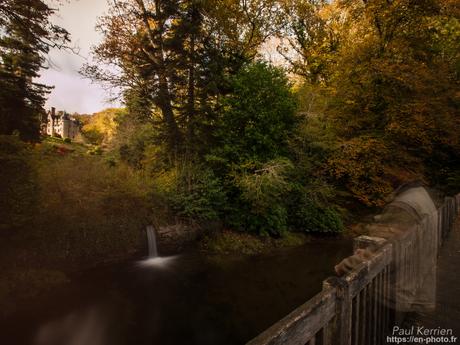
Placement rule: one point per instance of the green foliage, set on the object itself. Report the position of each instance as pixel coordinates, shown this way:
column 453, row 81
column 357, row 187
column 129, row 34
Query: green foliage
column 18, row 183
column 192, row 191
column 93, row 136
column 261, row 196
column 257, row 131
column 181, row 68
column 235, row 119
column 265, row 185
column 310, row 216
column 245, row 179
column 135, row 146
column 252, row 134
column 91, row 210
column 257, row 116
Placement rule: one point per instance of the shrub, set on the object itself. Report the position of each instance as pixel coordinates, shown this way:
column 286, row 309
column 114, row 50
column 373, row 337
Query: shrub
column 100, row 127
column 310, row 216
column 261, row 193
column 192, row 192
column 258, row 116
column 252, row 135
column 93, row 136
column 88, row 210
column 18, row 183
column 67, row 140
column 96, row 150
column 133, row 143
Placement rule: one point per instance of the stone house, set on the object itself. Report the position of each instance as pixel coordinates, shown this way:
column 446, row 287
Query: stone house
column 60, row 124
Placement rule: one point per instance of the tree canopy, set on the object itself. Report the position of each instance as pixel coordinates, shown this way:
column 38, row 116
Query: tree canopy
column 26, row 36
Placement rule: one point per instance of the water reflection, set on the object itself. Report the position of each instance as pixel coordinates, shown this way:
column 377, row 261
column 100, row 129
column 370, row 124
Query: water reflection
column 157, row 262
column 85, row 327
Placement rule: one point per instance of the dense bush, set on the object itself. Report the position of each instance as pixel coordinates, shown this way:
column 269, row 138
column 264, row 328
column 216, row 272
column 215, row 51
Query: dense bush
column 261, row 157
column 69, row 208
column 310, row 216
column 258, row 116
column 93, row 136
column 261, row 192
column 192, row 191
column 251, row 142
column 18, row 183
column 91, row 210
column 361, row 165
column 134, row 143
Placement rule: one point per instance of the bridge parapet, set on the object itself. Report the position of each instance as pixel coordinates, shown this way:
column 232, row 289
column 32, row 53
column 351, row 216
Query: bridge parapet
column 390, row 276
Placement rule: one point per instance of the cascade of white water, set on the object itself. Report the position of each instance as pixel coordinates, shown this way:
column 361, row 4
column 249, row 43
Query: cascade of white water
column 152, row 242
column 154, row 260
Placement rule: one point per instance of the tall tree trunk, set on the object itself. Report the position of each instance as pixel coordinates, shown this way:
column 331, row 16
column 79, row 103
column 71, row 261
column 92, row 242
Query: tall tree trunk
column 191, row 88
column 164, row 100
column 164, row 103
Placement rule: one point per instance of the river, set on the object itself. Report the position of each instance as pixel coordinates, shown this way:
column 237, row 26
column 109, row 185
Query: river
column 187, row 299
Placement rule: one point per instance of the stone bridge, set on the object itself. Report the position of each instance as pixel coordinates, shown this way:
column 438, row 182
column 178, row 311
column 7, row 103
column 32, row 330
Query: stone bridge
column 390, row 285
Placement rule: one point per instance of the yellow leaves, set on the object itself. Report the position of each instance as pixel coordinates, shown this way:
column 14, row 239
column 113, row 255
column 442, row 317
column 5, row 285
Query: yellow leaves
column 103, row 123
column 360, row 165
column 167, row 181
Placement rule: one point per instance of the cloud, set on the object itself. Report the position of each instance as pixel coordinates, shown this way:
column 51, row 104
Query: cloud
column 73, row 93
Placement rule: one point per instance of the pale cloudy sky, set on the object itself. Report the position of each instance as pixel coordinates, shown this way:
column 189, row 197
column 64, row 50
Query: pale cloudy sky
column 72, row 92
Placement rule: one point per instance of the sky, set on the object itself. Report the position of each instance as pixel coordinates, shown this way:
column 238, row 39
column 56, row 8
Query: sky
column 73, row 92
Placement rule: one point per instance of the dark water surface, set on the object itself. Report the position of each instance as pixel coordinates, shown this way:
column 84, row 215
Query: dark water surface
column 187, row 299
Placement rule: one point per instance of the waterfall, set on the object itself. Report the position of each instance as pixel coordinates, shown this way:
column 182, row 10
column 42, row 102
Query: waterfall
column 152, row 242
column 154, row 261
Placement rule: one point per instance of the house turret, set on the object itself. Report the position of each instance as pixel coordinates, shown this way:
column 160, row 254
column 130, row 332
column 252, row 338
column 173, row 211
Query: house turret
column 61, row 124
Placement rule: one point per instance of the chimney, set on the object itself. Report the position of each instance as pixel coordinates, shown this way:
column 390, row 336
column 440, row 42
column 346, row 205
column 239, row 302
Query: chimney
column 53, row 111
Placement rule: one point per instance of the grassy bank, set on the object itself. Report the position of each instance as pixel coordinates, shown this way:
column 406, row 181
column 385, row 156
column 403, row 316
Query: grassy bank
column 64, row 209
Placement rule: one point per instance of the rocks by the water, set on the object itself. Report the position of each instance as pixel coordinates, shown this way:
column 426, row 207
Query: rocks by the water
column 173, row 238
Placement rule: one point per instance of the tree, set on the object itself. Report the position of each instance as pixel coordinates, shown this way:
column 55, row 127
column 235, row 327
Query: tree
column 26, row 35
column 251, row 153
column 257, row 116
column 384, row 76
column 176, row 56
column 394, row 88
column 100, row 127
column 309, row 33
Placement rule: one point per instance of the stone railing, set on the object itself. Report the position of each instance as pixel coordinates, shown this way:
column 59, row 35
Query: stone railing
column 358, row 308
